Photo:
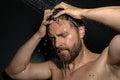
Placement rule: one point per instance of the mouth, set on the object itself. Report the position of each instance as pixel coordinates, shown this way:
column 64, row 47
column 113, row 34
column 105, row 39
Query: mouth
column 61, row 52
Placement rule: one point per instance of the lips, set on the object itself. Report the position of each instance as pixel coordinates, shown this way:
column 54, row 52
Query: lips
column 59, row 50
column 62, row 51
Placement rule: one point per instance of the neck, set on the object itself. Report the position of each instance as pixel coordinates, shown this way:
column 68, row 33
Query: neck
column 83, row 58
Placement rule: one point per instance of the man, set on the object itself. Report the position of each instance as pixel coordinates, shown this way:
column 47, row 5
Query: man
column 74, row 61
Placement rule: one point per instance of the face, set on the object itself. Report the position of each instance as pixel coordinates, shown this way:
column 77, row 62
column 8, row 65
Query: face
column 66, row 40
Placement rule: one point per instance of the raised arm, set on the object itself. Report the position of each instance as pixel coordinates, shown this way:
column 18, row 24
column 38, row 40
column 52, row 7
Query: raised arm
column 20, row 66
column 109, row 16
column 106, row 15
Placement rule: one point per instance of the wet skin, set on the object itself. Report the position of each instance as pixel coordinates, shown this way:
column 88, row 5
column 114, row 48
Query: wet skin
column 78, row 63
column 87, row 65
column 93, row 70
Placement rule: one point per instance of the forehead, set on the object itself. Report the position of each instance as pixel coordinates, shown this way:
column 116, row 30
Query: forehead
column 59, row 25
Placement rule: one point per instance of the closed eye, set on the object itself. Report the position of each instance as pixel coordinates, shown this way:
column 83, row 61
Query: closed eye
column 63, row 34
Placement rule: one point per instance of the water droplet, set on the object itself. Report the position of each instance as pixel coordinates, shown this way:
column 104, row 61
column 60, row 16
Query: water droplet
column 44, row 44
column 45, row 53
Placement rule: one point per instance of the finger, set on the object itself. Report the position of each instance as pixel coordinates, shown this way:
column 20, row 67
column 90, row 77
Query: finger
column 61, row 5
column 47, row 13
column 45, row 23
column 60, row 13
column 52, row 10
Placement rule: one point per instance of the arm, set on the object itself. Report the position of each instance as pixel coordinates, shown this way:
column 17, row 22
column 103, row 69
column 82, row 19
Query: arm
column 106, row 15
column 20, row 67
column 109, row 16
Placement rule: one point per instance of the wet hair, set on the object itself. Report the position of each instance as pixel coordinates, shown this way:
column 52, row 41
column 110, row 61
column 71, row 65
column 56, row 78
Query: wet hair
column 73, row 22
column 76, row 23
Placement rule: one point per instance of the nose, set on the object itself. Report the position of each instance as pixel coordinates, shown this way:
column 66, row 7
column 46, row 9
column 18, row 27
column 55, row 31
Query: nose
column 58, row 42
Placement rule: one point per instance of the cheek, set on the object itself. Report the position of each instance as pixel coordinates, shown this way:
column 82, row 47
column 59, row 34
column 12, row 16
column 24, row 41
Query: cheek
column 70, row 41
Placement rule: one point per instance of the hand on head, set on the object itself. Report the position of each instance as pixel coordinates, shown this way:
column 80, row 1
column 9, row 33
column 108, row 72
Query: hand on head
column 69, row 10
column 58, row 10
column 45, row 22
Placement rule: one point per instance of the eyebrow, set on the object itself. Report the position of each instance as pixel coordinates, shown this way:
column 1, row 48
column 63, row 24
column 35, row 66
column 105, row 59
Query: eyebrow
column 60, row 34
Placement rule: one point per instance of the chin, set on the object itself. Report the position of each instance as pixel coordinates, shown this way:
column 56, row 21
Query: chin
column 65, row 58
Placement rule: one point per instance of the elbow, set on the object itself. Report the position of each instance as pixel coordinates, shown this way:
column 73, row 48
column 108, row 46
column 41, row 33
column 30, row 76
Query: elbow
column 9, row 73
column 16, row 74
column 12, row 75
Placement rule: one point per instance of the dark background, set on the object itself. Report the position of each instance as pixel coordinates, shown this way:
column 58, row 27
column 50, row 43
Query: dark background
column 19, row 21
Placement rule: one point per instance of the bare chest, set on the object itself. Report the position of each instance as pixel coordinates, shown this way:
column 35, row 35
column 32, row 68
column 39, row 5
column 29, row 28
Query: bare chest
column 90, row 71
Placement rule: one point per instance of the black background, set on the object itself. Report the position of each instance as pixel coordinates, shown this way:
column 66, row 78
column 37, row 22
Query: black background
column 19, row 22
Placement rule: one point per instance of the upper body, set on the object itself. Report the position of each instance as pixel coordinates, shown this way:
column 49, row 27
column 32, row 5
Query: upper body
column 78, row 63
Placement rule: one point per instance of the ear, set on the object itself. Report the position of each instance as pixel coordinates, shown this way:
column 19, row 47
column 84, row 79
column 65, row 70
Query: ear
column 82, row 31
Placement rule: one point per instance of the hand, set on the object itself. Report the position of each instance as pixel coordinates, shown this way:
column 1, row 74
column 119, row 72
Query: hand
column 69, row 10
column 42, row 29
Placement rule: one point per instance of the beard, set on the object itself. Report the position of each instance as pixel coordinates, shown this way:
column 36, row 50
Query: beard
column 67, row 58
column 73, row 53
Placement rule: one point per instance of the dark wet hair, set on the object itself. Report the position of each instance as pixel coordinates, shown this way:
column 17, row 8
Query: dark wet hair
column 73, row 22
column 76, row 23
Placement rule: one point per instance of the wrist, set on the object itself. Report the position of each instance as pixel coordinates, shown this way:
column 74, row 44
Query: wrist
column 37, row 35
column 84, row 13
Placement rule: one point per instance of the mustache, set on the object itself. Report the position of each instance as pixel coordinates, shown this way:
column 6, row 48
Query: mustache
column 58, row 50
